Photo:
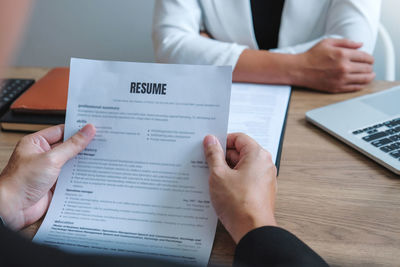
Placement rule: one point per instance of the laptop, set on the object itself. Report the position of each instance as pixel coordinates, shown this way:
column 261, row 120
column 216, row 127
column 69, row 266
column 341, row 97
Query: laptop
column 370, row 124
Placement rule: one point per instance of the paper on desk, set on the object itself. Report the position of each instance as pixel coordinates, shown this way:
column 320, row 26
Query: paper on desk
column 141, row 186
column 259, row 111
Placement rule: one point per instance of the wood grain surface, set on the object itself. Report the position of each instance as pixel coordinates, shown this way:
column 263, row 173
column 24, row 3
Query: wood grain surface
column 342, row 204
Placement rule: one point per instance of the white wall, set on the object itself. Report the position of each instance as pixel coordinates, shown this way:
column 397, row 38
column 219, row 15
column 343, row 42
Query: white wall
column 390, row 18
column 97, row 29
column 120, row 30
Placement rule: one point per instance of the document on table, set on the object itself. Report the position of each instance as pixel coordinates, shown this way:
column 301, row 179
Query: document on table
column 260, row 111
column 141, row 186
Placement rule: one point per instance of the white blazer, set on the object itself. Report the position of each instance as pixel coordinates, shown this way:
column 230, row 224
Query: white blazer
column 177, row 23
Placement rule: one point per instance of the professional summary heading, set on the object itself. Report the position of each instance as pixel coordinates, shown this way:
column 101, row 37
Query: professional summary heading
column 148, row 88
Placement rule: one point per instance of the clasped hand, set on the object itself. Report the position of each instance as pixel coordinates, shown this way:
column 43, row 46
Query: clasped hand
column 336, row 66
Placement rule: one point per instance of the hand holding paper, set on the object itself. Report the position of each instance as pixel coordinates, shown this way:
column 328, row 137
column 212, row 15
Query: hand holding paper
column 243, row 195
column 32, row 171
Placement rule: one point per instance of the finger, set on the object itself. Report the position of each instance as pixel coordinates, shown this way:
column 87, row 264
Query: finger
column 53, row 188
column 56, row 144
column 52, row 134
column 360, row 78
column 75, row 144
column 360, row 68
column 36, row 211
column 232, row 157
column 350, row 88
column 242, row 143
column 346, row 88
column 213, row 152
column 345, row 43
column 360, row 56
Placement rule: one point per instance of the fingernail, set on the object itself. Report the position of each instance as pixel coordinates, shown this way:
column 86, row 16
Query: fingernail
column 210, row 140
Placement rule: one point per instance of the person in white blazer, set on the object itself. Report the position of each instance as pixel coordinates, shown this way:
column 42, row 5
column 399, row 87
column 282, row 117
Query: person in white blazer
column 323, row 44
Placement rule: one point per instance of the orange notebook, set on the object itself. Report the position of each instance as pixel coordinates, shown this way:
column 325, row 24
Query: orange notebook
column 47, row 96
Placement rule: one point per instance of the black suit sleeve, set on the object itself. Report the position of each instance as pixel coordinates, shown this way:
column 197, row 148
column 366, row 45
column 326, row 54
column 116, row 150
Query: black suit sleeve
column 273, row 246
column 265, row 246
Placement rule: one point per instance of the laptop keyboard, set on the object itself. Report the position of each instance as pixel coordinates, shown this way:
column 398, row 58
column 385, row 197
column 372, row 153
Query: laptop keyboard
column 385, row 136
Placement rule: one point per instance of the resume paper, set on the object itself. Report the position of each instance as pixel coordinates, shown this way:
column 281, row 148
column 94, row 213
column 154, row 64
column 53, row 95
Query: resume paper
column 141, row 186
column 259, row 111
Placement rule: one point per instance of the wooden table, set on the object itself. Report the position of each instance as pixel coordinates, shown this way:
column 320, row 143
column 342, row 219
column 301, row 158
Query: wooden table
column 342, row 204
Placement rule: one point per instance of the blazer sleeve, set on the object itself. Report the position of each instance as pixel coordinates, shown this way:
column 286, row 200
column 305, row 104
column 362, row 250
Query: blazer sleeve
column 273, row 246
column 351, row 19
column 176, row 36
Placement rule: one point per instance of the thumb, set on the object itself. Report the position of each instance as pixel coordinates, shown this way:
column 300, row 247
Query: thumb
column 346, row 43
column 214, row 153
column 74, row 144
